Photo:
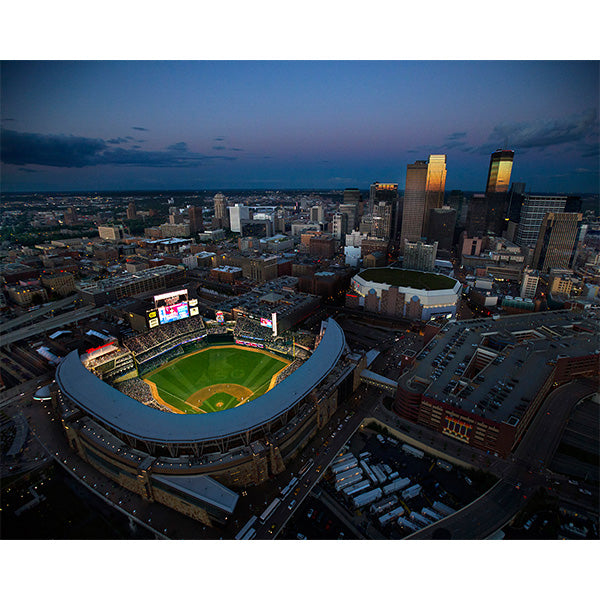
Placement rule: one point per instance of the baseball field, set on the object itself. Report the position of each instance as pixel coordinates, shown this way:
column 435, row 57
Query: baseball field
column 215, row 378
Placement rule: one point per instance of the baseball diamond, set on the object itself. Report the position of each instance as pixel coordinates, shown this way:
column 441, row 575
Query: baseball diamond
column 215, row 378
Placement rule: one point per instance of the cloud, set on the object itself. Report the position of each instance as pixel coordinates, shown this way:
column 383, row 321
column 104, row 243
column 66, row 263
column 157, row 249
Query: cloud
column 219, row 139
column 218, row 147
column 49, row 150
column 140, row 128
column 6, row 119
column 589, row 150
column 543, row 133
column 118, row 140
column 237, row 149
column 26, row 170
column 454, row 140
column 71, row 151
column 178, row 147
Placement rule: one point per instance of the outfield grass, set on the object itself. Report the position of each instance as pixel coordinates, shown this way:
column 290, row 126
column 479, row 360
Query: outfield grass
column 179, row 380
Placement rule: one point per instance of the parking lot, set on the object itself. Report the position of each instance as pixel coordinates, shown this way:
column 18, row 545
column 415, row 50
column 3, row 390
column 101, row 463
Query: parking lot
column 315, row 521
column 334, row 515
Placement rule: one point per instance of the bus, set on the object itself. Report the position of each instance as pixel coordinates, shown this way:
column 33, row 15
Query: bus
column 270, row 509
column 246, row 528
column 250, row 535
column 289, row 487
column 306, row 467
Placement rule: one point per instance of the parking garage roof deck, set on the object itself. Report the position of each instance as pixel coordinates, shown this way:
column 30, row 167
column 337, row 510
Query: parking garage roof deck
column 511, row 376
column 128, row 416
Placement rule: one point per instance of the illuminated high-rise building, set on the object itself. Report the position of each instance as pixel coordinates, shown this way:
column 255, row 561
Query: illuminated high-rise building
column 435, row 187
column 496, row 190
column 498, row 180
column 424, row 191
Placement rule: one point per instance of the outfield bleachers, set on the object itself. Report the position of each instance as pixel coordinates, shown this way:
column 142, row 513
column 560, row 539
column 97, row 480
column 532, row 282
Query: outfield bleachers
column 159, row 340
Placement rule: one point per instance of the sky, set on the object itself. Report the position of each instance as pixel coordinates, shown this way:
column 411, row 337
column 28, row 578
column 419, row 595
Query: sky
column 126, row 125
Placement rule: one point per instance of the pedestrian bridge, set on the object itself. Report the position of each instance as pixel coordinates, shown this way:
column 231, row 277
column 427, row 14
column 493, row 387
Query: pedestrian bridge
column 374, row 379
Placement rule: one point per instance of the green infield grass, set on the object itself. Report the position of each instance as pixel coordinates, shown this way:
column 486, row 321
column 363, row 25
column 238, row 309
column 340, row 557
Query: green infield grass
column 215, row 379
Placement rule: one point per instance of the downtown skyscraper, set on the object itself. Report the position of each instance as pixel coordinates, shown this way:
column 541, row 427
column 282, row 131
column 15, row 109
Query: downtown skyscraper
column 384, row 208
column 557, row 241
column 496, row 190
column 436, row 185
column 498, row 179
column 424, row 191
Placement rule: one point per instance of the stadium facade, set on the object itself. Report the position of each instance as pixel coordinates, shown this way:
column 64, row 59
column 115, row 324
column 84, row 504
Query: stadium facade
column 404, row 293
column 189, row 462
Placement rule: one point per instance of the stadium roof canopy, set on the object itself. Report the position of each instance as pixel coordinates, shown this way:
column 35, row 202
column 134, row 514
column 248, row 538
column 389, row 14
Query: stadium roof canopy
column 128, row 416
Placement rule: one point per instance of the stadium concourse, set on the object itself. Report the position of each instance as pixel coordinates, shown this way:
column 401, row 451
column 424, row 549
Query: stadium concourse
column 189, row 461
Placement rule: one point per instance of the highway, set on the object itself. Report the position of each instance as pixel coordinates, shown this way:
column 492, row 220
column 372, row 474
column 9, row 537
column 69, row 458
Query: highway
column 24, row 390
column 524, row 474
column 80, row 314
column 33, row 315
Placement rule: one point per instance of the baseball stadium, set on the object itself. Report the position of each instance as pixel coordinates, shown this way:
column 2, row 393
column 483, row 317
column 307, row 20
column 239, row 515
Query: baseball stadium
column 398, row 292
column 192, row 410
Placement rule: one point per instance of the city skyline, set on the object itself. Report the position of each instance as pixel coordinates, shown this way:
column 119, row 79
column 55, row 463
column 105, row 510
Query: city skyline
column 125, row 125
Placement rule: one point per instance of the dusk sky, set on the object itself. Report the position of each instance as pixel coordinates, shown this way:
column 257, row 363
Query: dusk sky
column 107, row 125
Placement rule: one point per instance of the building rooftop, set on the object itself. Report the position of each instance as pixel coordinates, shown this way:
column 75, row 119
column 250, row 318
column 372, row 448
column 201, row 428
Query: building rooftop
column 115, row 282
column 494, row 368
column 407, row 278
column 204, row 488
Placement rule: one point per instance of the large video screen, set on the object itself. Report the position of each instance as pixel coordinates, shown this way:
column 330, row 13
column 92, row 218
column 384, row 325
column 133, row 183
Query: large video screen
column 172, row 306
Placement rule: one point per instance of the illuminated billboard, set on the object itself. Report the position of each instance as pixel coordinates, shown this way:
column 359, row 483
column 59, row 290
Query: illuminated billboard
column 172, row 306
column 220, row 317
column 266, row 323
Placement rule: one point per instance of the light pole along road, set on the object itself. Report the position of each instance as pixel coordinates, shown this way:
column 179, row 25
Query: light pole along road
column 499, row 504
